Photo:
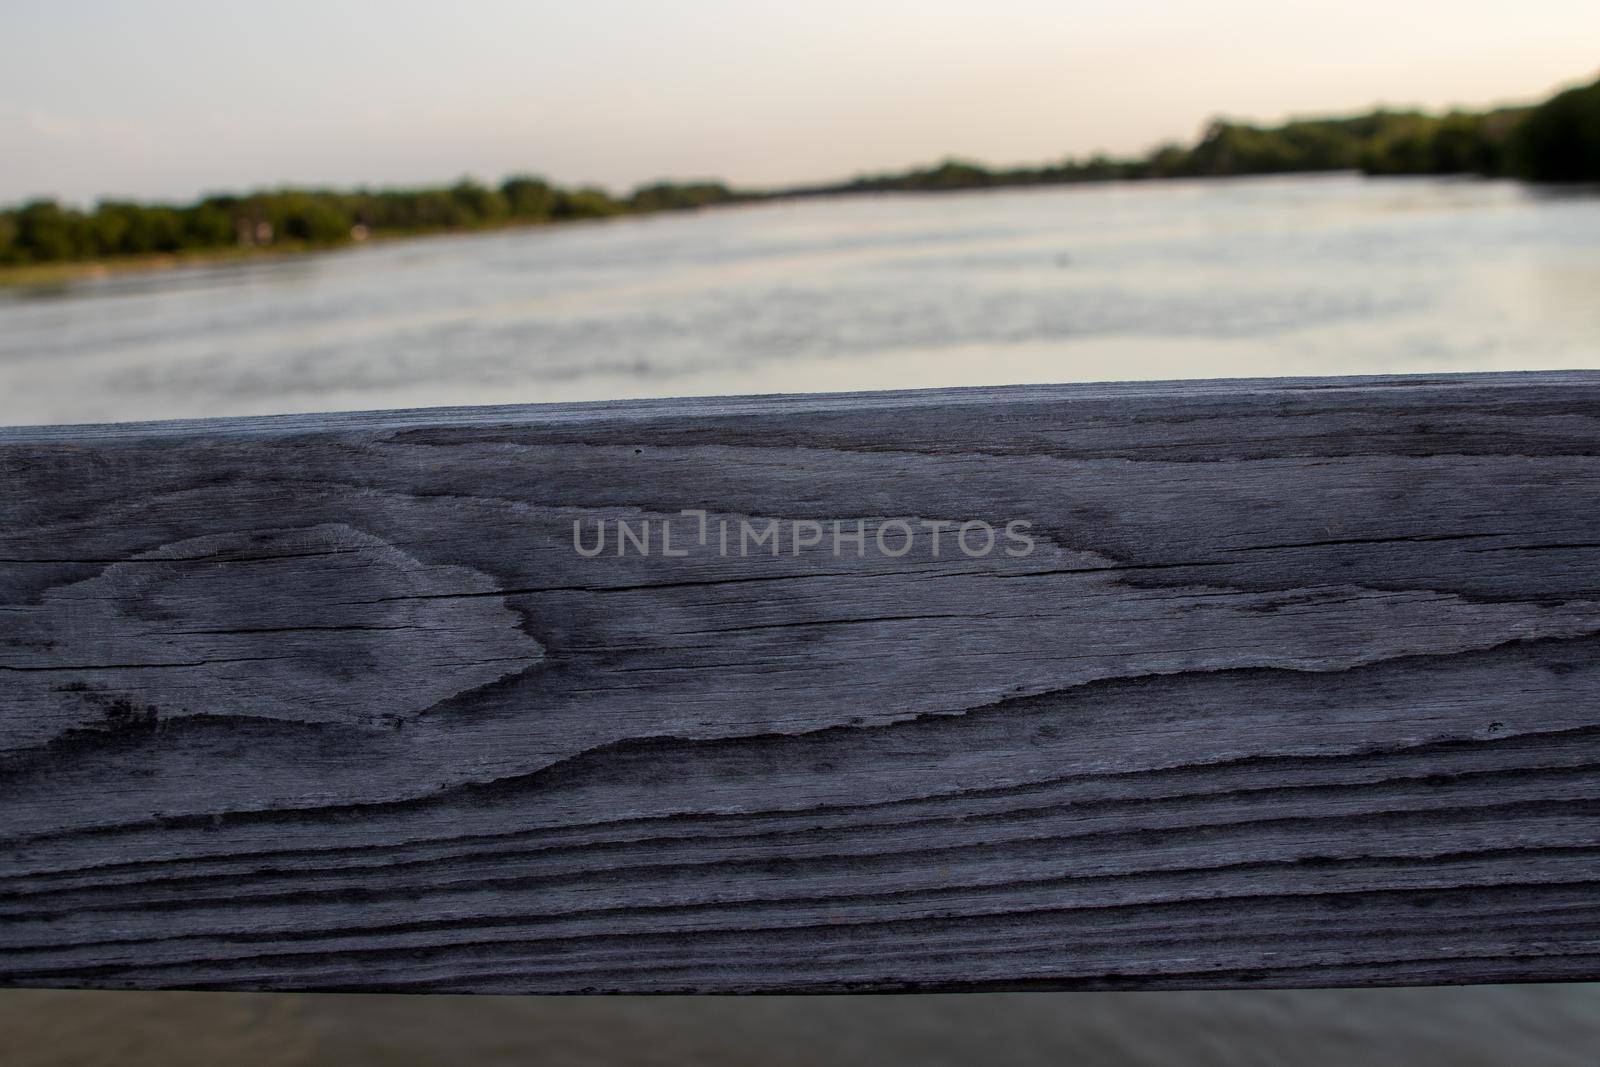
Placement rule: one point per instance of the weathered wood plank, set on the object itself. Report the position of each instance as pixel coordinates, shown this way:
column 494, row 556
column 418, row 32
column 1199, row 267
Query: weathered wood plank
column 1297, row 685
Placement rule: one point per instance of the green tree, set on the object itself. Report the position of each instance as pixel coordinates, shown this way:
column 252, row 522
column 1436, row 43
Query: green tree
column 1462, row 145
column 1167, row 161
column 209, row 224
column 478, row 204
column 1404, row 145
column 314, row 217
column 588, row 203
column 1559, row 141
column 47, row 232
column 528, row 197
column 10, row 252
column 667, row 196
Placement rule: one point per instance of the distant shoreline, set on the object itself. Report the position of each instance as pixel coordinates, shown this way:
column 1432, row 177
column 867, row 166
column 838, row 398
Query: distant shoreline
column 62, row 272
column 66, row 272
column 44, row 243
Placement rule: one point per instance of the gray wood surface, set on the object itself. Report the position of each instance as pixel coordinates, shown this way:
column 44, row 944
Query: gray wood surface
column 1298, row 685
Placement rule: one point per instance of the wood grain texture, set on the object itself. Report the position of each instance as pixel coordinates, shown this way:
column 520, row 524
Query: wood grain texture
column 1299, row 685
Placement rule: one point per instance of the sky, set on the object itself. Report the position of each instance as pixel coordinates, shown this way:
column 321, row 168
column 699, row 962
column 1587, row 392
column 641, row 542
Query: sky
column 166, row 99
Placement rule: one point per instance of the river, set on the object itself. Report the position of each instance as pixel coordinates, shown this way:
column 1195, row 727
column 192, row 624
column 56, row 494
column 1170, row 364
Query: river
column 1180, row 279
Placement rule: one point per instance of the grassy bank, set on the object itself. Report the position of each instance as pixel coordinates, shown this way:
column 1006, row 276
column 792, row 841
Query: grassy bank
column 65, row 271
column 60, row 272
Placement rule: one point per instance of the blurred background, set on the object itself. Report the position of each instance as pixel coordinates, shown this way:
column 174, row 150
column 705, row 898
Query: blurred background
column 222, row 209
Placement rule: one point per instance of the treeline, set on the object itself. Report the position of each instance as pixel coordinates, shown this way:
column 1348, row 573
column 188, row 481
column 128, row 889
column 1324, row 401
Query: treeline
column 1556, row 141
column 44, row 231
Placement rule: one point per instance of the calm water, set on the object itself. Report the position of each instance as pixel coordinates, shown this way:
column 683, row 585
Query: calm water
column 1321, row 275
column 1305, row 276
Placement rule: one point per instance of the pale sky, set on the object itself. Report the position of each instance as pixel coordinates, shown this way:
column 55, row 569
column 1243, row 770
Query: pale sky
column 169, row 99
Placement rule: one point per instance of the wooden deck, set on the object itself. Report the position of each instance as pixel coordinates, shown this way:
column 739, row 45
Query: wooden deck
column 1275, row 682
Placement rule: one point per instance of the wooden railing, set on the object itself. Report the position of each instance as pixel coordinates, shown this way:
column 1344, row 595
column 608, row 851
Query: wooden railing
column 1252, row 682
